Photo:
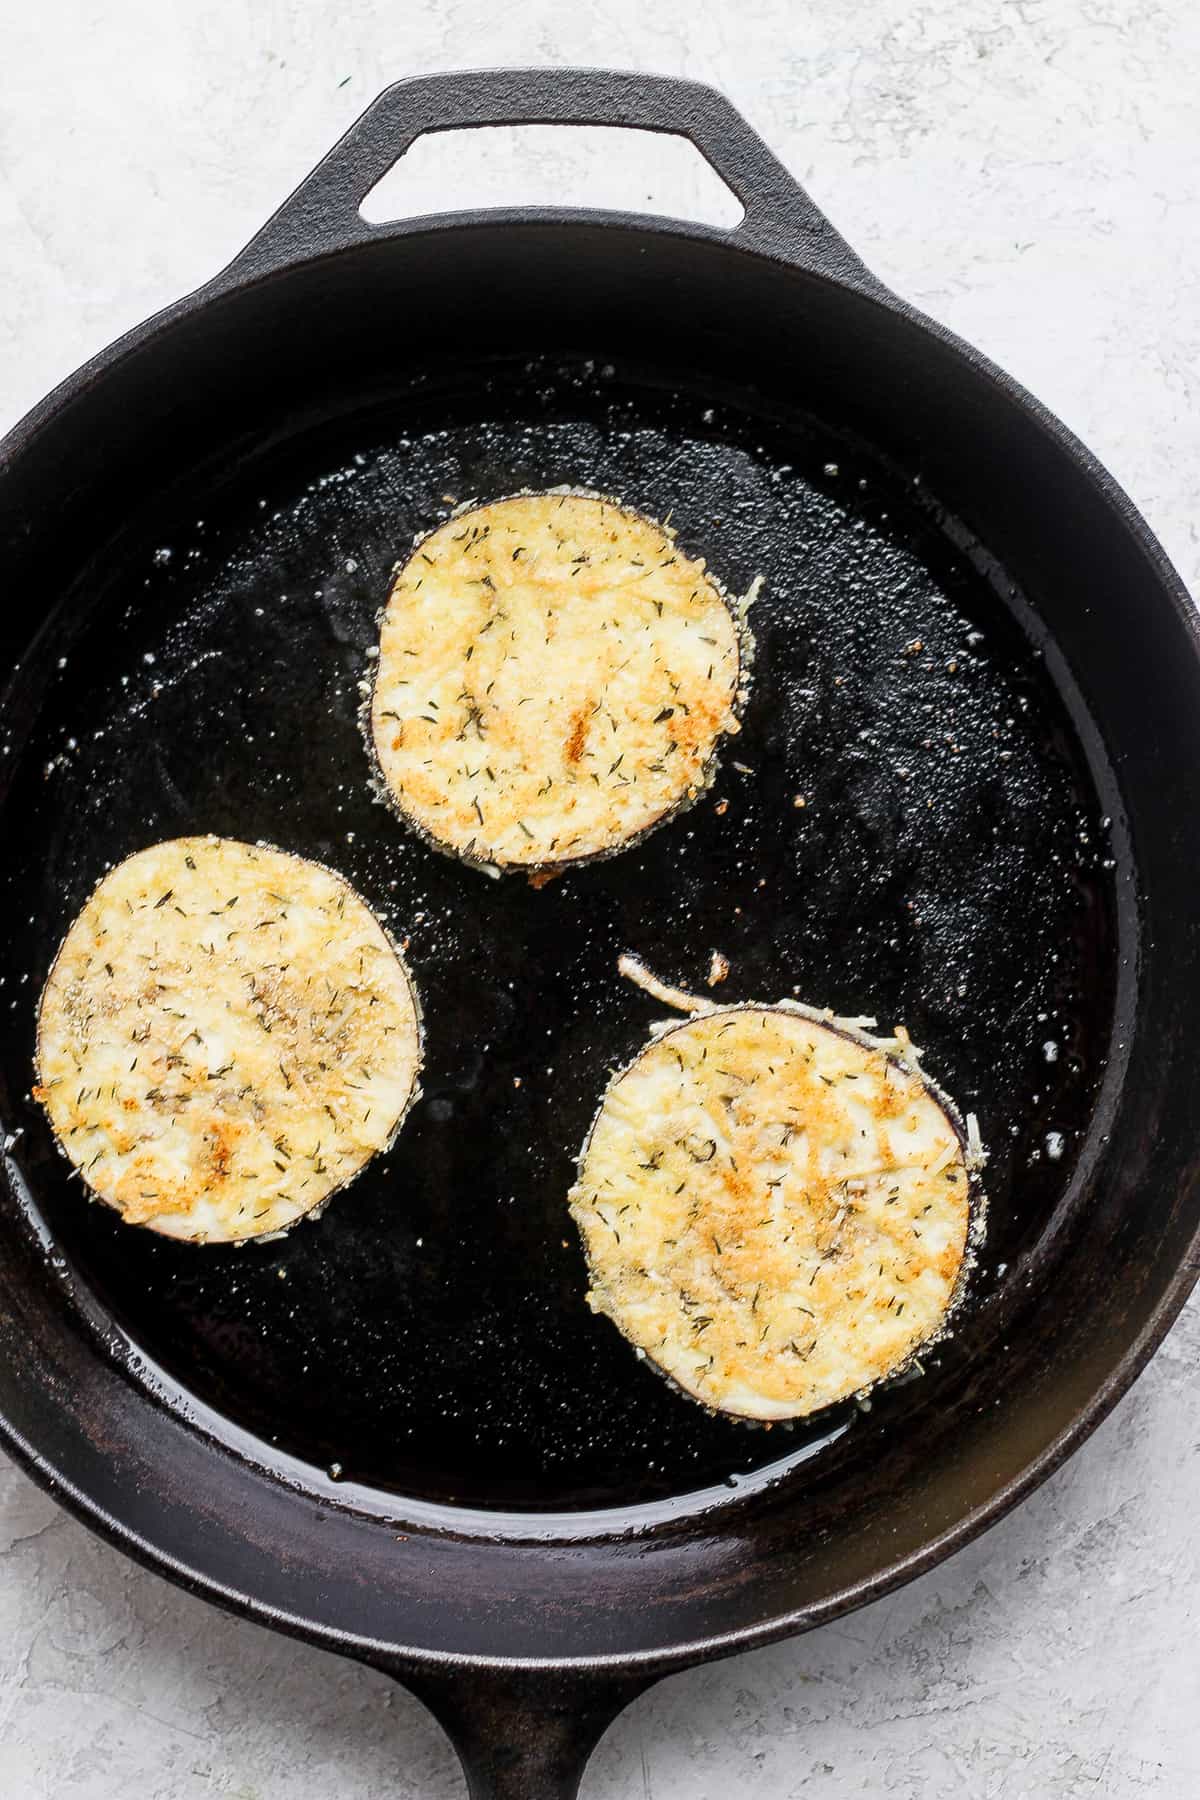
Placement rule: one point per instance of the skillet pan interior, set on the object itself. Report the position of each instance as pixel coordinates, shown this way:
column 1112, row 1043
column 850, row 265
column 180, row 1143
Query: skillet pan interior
column 453, row 358
column 951, row 866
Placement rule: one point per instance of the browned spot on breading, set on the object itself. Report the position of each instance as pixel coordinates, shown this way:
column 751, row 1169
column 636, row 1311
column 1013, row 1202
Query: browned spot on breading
column 220, row 1153
column 578, row 733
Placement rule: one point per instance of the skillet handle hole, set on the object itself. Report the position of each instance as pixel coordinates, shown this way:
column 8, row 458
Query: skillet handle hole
column 605, row 166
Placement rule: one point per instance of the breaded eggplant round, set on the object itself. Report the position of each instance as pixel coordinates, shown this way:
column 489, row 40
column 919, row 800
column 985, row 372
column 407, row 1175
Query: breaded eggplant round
column 775, row 1208
column 227, row 1035
column 554, row 678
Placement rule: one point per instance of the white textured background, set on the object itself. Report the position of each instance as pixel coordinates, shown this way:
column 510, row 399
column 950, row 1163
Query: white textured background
column 1028, row 171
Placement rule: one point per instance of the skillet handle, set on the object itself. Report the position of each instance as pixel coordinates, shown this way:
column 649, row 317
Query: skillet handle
column 323, row 214
column 524, row 1735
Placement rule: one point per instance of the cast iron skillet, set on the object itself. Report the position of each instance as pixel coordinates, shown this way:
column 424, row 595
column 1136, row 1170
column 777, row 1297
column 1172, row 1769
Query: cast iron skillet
column 399, row 1433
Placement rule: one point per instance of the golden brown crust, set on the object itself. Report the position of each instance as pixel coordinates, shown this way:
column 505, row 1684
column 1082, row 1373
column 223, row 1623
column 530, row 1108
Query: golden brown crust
column 226, row 1036
column 554, row 675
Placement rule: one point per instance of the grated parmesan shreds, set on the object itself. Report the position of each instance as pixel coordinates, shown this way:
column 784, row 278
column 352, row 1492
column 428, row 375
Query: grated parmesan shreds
column 554, row 678
column 776, row 1209
column 226, row 1037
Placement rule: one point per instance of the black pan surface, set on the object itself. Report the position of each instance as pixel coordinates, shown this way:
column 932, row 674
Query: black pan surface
column 950, row 867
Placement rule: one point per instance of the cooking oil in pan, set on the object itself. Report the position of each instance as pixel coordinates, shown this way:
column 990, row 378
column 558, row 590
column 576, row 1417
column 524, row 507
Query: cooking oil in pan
column 907, row 827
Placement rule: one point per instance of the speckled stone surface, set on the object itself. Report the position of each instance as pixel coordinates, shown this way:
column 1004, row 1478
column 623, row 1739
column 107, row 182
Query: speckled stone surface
column 1028, row 171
